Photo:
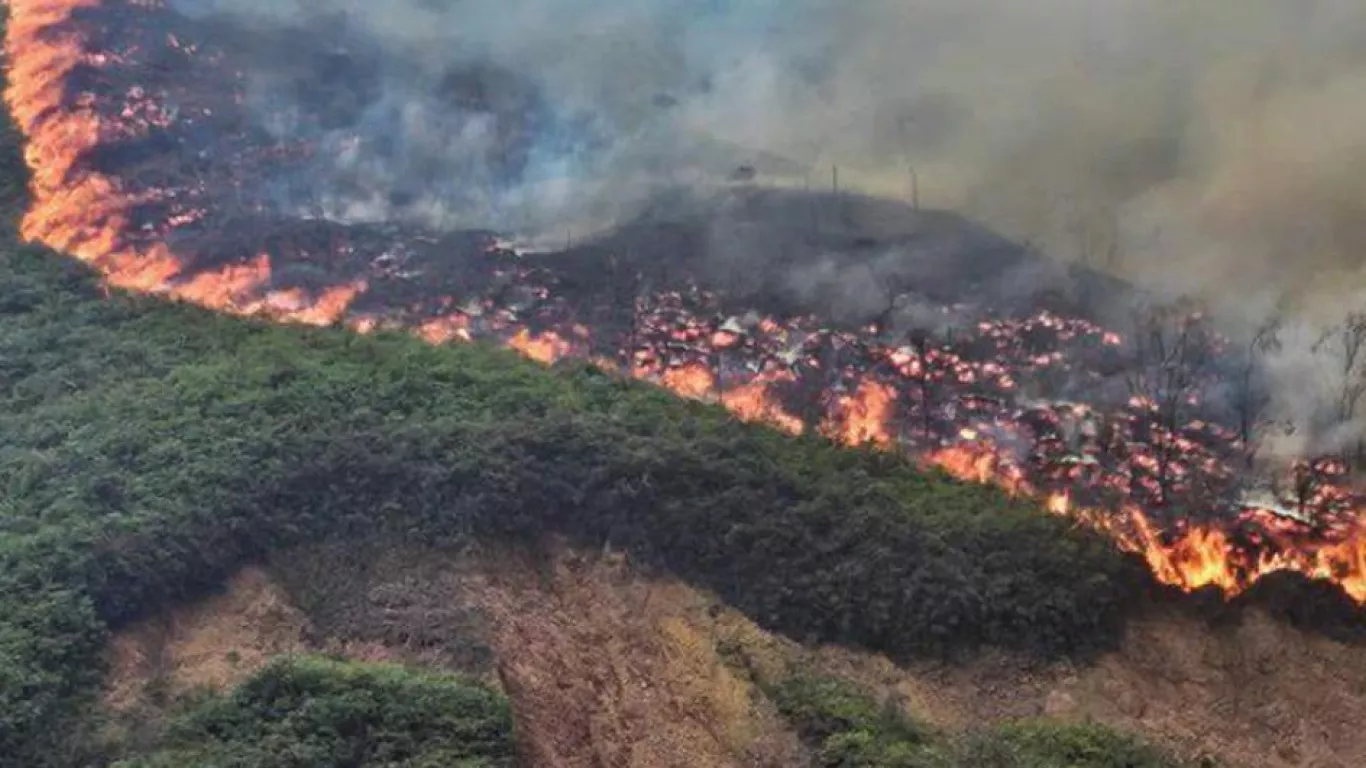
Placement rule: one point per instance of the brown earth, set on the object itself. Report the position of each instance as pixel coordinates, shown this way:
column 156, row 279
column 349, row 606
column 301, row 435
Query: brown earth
column 607, row 667
column 214, row 643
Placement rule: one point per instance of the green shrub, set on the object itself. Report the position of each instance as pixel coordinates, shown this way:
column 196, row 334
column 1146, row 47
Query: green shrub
column 328, row 714
column 1051, row 745
column 847, row 728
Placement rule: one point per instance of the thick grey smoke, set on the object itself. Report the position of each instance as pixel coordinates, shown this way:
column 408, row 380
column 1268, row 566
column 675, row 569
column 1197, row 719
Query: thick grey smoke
column 1216, row 147
column 1211, row 141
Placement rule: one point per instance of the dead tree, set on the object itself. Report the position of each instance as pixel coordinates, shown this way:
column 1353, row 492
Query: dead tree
column 627, row 305
column 1251, row 392
column 923, row 394
column 1096, row 234
column 1344, row 349
column 1171, row 350
column 893, row 290
column 816, row 371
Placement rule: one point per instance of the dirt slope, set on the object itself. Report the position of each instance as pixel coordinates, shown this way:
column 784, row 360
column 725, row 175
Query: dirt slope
column 607, row 667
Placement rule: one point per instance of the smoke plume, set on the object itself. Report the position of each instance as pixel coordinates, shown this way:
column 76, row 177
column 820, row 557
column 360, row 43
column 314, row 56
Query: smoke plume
column 1216, row 148
column 1187, row 143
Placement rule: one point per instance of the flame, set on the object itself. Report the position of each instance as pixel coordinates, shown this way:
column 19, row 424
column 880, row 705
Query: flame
column 1194, row 557
column 439, row 330
column 755, row 402
column 89, row 216
column 864, row 415
column 86, row 214
column 544, row 348
column 690, row 381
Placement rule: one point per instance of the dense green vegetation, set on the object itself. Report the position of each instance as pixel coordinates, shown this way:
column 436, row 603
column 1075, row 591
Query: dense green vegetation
column 847, row 728
column 322, row 713
column 147, row 449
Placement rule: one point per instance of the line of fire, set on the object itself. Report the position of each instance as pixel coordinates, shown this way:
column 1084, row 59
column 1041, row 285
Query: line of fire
column 144, row 167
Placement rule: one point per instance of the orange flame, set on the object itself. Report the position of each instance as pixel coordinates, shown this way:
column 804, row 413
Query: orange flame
column 864, row 415
column 690, row 381
column 544, row 348
column 755, row 402
column 86, row 214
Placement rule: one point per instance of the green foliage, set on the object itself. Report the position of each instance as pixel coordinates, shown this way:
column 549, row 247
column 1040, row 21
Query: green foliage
column 319, row 713
column 1051, row 745
column 847, row 728
column 148, row 449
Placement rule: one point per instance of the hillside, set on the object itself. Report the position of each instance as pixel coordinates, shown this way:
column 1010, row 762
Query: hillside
column 231, row 541
column 150, row 450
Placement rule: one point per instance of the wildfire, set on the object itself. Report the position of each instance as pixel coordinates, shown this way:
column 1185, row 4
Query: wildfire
column 886, row 397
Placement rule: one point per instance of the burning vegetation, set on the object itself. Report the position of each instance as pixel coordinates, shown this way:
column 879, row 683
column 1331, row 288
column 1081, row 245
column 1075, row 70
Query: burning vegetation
column 145, row 167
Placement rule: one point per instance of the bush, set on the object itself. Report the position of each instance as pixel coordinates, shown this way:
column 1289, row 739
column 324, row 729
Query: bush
column 148, row 449
column 328, row 714
column 847, row 728
column 1051, row 745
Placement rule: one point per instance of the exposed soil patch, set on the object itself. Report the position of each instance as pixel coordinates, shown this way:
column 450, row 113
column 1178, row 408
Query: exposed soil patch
column 213, row 643
column 607, row 667
column 604, row 667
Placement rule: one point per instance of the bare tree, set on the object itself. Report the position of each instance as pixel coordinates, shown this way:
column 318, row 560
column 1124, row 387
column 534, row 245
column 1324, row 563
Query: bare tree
column 1171, row 350
column 1344, row 347
column 893, row 290
column 816, row 371
column 1251, row 393
column 627, row 304
column 923, row 393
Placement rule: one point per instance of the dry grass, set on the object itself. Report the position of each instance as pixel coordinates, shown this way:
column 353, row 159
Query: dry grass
column 608, row 668
column 213, row 643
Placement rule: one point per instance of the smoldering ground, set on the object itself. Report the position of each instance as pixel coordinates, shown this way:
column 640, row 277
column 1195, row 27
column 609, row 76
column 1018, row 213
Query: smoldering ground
column 1216, row 141
column 1215, row 147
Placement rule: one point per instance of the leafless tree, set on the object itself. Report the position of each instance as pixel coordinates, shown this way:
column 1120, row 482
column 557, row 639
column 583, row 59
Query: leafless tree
column 923, row 392
column 1171, row 352
column 1343, row 347
column 894, row 290
column 627, row 304
column 816, row 371
column 1095, row 233
column 1251, row 393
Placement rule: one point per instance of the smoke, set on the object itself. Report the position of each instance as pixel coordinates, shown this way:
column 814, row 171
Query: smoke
column 1193, row 143
column 1216, row 148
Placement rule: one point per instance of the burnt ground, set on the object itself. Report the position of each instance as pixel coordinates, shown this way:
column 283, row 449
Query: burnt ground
column 197, row 100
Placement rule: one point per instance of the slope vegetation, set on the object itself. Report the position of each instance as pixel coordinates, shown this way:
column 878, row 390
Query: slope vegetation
column 149, row 450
